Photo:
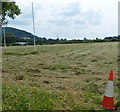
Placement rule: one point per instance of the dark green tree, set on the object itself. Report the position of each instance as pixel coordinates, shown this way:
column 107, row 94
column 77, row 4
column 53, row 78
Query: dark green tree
column 10, row 38
column 9, row 10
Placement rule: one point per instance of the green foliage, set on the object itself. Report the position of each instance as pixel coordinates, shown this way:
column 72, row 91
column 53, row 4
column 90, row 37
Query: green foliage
column 10, row 38
column 9, row 9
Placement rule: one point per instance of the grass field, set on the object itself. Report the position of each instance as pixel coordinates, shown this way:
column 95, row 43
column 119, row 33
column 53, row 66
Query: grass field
column 58, row 77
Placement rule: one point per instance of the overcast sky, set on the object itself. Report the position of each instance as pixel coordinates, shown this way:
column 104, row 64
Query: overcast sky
column 71, row 19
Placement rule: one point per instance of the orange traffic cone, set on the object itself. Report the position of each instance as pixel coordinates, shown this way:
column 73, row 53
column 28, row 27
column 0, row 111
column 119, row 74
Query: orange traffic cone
column 108, row 100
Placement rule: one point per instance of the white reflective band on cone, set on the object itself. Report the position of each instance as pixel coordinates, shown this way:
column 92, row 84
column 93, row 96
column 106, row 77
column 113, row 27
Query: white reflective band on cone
column 109, row 89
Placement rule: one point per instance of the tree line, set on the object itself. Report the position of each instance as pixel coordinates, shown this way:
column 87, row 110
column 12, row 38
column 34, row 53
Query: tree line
column 11, row 39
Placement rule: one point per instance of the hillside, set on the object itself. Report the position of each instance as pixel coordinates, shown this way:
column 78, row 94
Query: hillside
column 18, row 32
column 28, row 37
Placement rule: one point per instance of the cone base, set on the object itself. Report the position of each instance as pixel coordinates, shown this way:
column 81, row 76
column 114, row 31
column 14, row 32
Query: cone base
column 108, row 103
column 114, row 108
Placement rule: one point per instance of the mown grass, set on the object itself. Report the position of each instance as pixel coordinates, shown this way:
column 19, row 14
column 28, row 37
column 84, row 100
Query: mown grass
column 58, row 77
column 17, row 54
column 24, row 98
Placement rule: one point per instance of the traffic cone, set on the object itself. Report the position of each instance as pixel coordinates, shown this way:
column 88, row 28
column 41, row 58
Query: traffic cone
column 108, row 99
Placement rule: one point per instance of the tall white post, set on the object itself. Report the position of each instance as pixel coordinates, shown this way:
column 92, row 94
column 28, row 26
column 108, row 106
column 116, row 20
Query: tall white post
column 4, row 36
column 33, row 26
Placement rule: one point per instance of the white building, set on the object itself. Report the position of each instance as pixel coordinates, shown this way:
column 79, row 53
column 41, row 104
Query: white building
column 21, row 43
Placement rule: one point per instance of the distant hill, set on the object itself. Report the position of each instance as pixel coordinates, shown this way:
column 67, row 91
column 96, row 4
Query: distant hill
column 112, row 37
column 24, row 36
column 19, row 33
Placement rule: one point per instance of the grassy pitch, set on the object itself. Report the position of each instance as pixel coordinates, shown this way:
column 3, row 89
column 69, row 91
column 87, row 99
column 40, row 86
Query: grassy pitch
column 58, row 77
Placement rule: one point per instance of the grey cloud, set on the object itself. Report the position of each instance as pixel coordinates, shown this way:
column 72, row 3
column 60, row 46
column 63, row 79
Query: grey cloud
column 26, row 17
column 23, row 19
column 60, row 22
column 72, row 9
column 80, row 21
column 73, row 12
column 27, row 12
column 93, row 17
column 38, row 6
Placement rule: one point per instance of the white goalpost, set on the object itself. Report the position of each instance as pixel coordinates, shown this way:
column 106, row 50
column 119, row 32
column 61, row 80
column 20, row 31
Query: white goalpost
column 4, row 36
column 33, row 26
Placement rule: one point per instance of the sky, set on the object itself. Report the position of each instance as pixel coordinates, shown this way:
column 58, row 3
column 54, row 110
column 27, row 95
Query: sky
column 70, row 19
